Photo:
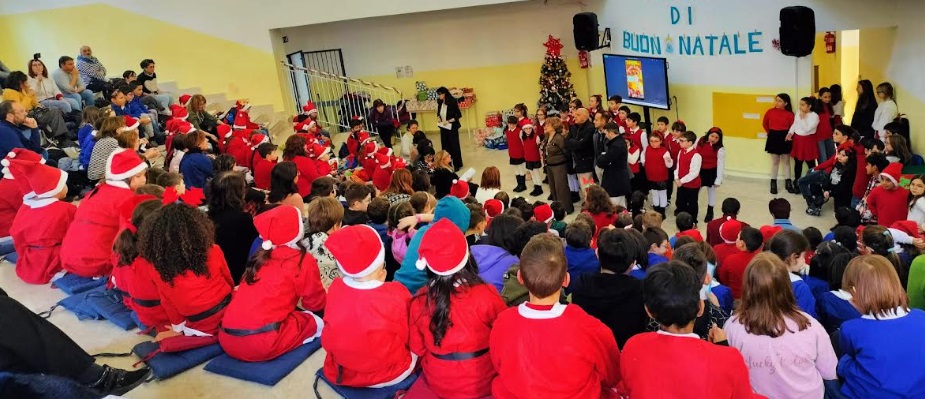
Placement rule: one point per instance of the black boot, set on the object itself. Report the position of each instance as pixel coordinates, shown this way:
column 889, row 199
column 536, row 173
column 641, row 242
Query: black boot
column 661, row 211
column 796, row 188
column 521, row 184
column 773, row 186
column 537, row 190
column 546, row 179
column 788, row 185
column 576, row 198
column 117, row 381
column 709, row 215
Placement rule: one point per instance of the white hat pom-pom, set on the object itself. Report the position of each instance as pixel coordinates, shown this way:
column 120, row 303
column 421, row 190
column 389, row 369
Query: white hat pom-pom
column 5, row 162
column 455, row 181
column 11, row 155
column 421, row 263
column 267, row 245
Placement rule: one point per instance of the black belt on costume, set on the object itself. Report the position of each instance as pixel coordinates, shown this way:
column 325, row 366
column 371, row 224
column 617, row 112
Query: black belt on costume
column 243, row 333
column 211, row 311
column 460, row 356
column 147, row 303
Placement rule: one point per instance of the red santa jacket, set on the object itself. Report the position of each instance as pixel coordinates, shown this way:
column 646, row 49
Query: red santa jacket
column 287, row 277
column 531, row 146
column 656, row 166
column 366, row 333
column 732, row 272
column 515, row 146
column 138, row 281
column 355, row 142
column 87, row 246
column 382, row 177
column 473, row 311
column 583, row 363
column 888, row 206
column 239, row 149
column 658, row 365
column 38, row 230
column 308, row 172
column 262, row 171
column 195, row 304
column 10, row 201
column 723, row 251
column 242, row 120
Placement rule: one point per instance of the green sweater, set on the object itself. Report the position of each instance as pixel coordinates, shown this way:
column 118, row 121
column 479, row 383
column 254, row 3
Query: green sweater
column 916, row 285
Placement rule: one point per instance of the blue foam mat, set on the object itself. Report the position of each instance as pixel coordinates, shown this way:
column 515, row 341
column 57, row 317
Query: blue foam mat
column 110, row 306
column 79, row 304
column 365, row 393
column 73, row 284
column 268, row 373
column 168, row 364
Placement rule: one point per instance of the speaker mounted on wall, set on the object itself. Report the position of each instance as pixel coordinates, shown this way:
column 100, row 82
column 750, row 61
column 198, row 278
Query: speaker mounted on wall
column 587, row 35
column 797, row 31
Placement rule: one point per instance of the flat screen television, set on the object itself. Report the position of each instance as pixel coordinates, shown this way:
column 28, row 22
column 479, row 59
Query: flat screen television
column 639, row 80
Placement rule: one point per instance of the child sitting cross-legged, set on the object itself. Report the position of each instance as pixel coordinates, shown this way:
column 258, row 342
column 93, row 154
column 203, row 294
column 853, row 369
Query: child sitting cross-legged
column 366, row 319
column 613, row 296
column 673, row 362
column 522, row 335
column 131, row 274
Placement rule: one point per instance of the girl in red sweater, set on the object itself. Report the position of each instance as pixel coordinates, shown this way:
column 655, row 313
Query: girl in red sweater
column 888, row 201
column 515, row 149
column 658, row 164
column 532, row 156
column 777, row 122
column 712, row 165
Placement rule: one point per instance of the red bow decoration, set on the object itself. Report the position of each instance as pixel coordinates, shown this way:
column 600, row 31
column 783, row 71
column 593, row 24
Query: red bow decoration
column 192, row 196
column 553, row 46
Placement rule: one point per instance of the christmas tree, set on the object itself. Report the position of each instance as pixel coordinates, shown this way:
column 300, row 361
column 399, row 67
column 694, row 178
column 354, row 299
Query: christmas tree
column 556, row 88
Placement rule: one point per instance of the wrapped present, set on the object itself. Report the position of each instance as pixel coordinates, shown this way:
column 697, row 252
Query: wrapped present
column 420, row 86
column 493, row 119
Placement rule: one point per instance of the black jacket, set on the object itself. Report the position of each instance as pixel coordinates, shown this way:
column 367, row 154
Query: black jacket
column 615, row 300
column 580, row 143
column 863, row 120
column 452, row 112
column 616, row 179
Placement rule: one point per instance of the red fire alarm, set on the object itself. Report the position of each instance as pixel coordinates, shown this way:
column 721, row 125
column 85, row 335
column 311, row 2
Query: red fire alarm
column 829, row 42
column 583, row 59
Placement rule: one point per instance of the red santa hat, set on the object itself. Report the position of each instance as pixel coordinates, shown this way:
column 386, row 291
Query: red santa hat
column 184, row 99
column 494, row 208
column 907, row 226
column 15, row 170
column 443, row 249
column 242, row 105
column 370, row 148
column 729, row 230
column 357, row 249
column 241, row 120
column 179, row 113
column 44, row 181
column 185, row 128
column 527, row 125
column 692, row 233
column 19, row 154
column 316, row 150
column 893, row 172
column 123, row 164
column 385, row 151
column 460, row 187
column 280, row 226
column 128, row 208
column 768, row 231
column 543, row 213
column 383, row 160
column 258, row 139
column 223, row 130
column 130, row 124
column 398, row 163
column 309, row 108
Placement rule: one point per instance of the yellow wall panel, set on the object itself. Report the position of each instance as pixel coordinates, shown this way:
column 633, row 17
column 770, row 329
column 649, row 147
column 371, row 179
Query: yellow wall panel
column 740, row 115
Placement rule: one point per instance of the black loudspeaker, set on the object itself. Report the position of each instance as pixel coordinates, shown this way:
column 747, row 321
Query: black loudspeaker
column 587, row 36
column 797, row 31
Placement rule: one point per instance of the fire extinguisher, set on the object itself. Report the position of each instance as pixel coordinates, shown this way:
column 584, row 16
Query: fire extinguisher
column 829, row 42
column 583, row 59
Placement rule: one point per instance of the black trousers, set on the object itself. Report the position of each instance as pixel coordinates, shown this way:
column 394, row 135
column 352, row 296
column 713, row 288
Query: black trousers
column 30, row 344
column 386, row 133
column 449, row 142
column 687, row 201
column 670, row 183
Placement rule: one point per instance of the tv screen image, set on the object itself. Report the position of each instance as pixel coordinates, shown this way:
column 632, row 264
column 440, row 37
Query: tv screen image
column 640, row 81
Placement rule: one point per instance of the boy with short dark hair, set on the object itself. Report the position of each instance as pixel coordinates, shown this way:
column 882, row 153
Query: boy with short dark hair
column 613, row 296
column 876, row 164
column 378, row 212
column 686, row 227
column 673, row 354
column 687, row 175
column 658, row 246
column 521, row 335
column 558, row 214
column 730, row 208
column 578, row 252
column 732, row 270
column 713, row 315
column 358, row 199
column 780, row 210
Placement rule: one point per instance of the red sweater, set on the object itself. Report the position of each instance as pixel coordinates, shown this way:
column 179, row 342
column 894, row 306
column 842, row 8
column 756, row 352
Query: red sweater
column 87, row 247
column 262, row 171
column 777, row 119
column 824, row 129
column 531, row 146
column 656, row 168
column 657, row 365
column 888, row 206
column 732, row 272
column 584, row 362
column 473, row 312
column 709, row 158
column 515, row 146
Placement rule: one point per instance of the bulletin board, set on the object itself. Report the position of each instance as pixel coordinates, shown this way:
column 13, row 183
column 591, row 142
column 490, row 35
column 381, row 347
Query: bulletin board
column 740, row 115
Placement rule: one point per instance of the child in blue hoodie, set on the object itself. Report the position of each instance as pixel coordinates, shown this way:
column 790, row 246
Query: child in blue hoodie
column 409, row 274
column 92, row 117
column 657, row 245
column 791, row 247
column 578, row 252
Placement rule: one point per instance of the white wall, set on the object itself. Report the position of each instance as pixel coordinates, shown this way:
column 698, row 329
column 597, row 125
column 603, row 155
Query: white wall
column 909, row 50
column 449, row 39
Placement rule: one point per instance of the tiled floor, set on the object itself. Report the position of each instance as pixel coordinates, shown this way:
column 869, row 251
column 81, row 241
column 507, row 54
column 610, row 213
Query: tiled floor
column 101, row 336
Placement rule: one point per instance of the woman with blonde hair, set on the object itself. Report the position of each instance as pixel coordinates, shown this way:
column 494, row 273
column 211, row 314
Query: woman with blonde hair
column 489, row 185
column 884, row 349
column 198, row 116
column 443, row 176
column 325, row 215
column 788, row 353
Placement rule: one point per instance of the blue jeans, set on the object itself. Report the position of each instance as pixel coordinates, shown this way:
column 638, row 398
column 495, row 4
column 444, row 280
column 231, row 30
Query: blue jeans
column 811, row 178
column 164, row 99
column 66, row 104
column 826, row 149
column 85, row 97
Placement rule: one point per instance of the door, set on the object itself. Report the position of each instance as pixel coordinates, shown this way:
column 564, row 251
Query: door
column 299, row 80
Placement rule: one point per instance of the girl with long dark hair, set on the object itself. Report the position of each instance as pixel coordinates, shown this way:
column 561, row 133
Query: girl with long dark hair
column 712, row 165
column 234, row 227
column 838, row 105
column 777, row 122
column 863, row 118
column 262, row 322
column 451, row 317
column 284, row 187
column 448, row 114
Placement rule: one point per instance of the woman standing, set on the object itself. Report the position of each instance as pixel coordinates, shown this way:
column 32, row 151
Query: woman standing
column 886, row 111
column 863, row 118
column 788, row 353
column 383, row 121
column 448, row 114
column 556, row 163
column 45, row 89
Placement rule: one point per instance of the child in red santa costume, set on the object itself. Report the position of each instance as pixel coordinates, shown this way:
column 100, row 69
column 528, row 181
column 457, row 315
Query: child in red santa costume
column 11, row 192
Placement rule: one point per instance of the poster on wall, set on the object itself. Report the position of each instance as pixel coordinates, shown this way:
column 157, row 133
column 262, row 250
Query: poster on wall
column 686, row 43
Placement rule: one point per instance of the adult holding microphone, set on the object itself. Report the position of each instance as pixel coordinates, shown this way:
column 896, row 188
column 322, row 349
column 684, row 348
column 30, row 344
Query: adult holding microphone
column 448, row 116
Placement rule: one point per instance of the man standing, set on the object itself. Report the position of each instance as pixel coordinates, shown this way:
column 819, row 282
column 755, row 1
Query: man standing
column 613, row 160
column 580, row 142
column 601, row 119
column 92, row 71
column 70, row 83
column 17, row 130
column 148, row 80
